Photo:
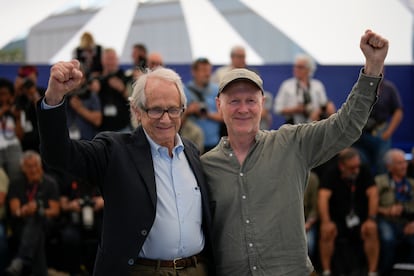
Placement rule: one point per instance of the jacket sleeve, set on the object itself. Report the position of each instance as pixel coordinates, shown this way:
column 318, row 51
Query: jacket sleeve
column 84, row 159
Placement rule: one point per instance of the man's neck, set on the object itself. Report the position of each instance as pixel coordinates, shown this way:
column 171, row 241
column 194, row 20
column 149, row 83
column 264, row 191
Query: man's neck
column 201, row 85
column 397, row 178
column 304, row 82
column 241, row 145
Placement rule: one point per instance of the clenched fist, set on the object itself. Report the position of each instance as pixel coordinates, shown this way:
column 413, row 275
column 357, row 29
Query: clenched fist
column 375, row 49
column 64, row 77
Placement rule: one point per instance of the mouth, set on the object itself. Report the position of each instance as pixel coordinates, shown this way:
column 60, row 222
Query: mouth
column 242, row 118
column 164, row 127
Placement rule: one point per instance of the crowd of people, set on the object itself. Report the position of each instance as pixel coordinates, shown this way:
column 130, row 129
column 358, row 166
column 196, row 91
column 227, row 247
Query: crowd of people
column 133, row 172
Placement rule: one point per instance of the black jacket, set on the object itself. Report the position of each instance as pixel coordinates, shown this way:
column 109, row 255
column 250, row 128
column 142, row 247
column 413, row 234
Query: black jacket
column 121, row 165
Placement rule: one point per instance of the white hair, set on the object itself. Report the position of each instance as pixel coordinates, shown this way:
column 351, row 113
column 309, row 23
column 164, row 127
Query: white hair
column 138, row 99
column 389, row 155
column 310, row 63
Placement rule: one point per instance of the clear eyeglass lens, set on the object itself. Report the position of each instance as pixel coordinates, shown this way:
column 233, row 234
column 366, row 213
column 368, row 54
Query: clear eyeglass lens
column 157, row 113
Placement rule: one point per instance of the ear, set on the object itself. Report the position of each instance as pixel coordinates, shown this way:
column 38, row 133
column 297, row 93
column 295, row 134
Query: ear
column 137, row 114
column 218, row 104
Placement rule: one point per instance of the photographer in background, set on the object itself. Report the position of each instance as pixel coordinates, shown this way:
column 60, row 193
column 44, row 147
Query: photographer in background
column 201, row 94
column 27, row 92
column 33, row 204
column 80, row 224
column 84, row 113
column 11, row 131
column 25, row 73
column 89, row 54
column 396, row 209
column 26, row 104
column 113, row 94
column 139, row 65
column 139, row 56
column 348, row 204
column 302, row 98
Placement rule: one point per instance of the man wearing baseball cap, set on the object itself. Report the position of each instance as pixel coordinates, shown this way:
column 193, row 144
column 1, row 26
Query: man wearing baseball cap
column 257, row 179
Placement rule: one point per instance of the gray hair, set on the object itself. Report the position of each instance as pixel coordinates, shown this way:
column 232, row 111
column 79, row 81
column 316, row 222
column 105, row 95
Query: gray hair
column 310, row 63
column 236, row 48
column 347, row 153
column 138, row 99
column 28, row 154
column 389, row 155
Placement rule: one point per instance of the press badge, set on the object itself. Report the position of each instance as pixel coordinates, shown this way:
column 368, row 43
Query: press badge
column 352, row 220
column 110, row 110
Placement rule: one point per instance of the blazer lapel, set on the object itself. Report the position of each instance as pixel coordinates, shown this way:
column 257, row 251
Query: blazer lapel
column 140, row 152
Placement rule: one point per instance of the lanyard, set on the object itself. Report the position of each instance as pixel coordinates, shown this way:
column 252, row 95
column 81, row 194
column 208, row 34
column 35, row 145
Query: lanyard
column 352, row 188
column 305, row 92
column 31, row 193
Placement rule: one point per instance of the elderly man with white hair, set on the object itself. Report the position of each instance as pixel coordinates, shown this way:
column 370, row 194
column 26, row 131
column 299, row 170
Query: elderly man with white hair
column 396, row 209
column 302, row 98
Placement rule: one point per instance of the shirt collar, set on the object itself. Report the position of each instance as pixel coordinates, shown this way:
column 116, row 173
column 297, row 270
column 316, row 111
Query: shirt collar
column 225, row 143
column 158, row 149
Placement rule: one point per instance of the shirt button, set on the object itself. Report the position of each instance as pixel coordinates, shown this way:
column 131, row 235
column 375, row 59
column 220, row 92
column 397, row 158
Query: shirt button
column 247, row 221
column 371, row 84
column 250, row 245
column 254, row 267
column 144, row 232
column 243, row 197
column 241, row 174
column 131, row 261
column 231, row 154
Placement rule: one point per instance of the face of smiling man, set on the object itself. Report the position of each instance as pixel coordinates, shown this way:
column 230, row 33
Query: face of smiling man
column 241, row 104
column 161, row 94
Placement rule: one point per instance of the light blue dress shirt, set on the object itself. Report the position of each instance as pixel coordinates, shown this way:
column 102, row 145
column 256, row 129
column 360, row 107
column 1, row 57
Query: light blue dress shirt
column 176, row 231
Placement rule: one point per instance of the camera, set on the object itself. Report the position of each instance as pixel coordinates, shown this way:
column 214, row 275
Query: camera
column 28, row 83
column 86, row 216
column 40, row 207
column 203, row 109
column 87, row 211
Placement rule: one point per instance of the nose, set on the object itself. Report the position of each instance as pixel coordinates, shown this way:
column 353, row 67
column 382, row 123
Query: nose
column 243, row 107
column 165, row 117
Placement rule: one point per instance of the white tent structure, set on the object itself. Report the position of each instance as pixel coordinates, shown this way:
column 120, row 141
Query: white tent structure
column 272, row 31
column 19, row 15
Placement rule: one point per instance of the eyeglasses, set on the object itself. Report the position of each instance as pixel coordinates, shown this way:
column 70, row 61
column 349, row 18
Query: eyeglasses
column 158, row 112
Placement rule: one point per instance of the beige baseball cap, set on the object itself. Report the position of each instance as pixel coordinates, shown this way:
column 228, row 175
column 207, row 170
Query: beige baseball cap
column 240, row 74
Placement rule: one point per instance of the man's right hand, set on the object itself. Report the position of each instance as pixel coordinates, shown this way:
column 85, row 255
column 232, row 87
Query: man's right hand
column 64, row 77
column 375, row 49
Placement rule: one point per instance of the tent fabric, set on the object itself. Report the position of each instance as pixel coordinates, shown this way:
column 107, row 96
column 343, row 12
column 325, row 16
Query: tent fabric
column 182, row 30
